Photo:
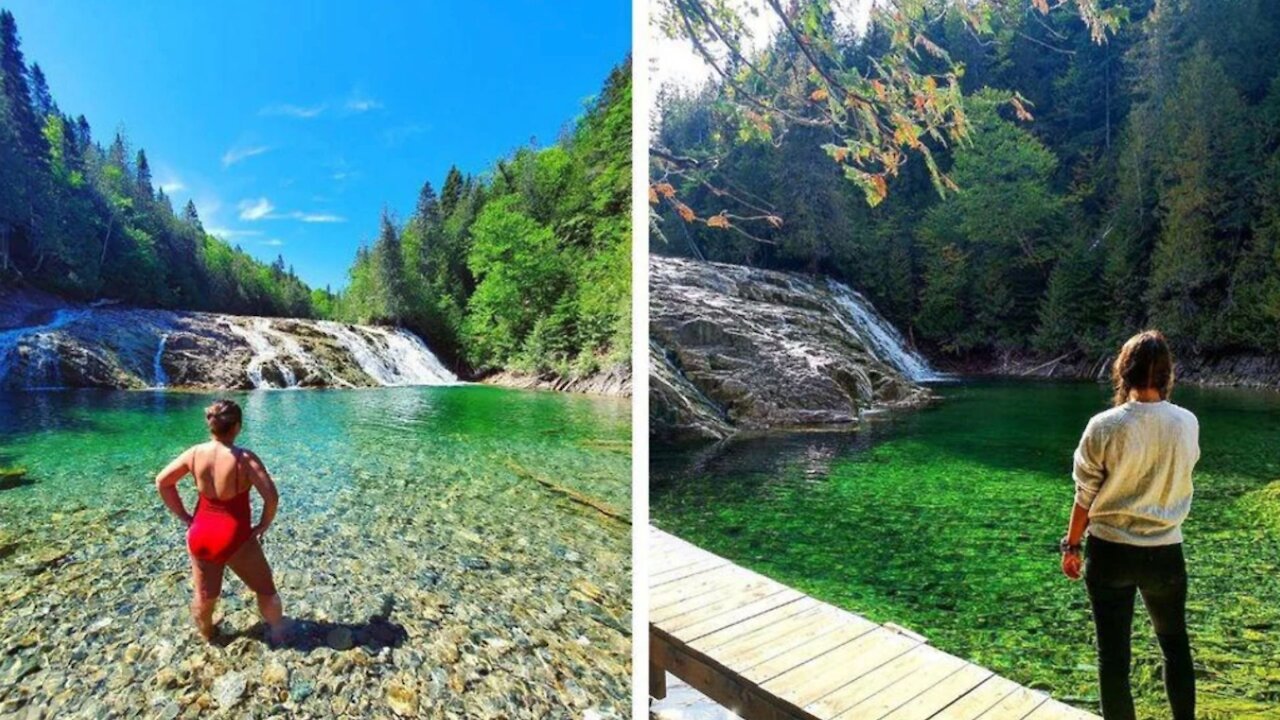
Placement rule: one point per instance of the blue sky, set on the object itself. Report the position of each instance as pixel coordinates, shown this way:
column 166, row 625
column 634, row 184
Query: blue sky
column 291, row 125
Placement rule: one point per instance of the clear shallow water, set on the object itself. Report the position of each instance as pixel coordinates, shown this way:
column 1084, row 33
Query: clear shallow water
column 946, row 520
column 410, row 517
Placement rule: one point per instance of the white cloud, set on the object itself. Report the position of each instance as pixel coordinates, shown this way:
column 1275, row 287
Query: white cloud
column 240, row 154
column 273, row 242
column 172, row 186
column 317, row 217
column 359, row 102
column 303, row 112
column 255, row 209
column 229, row 234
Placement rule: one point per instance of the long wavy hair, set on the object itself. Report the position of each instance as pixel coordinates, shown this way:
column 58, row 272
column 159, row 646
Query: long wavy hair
column 1145, row 362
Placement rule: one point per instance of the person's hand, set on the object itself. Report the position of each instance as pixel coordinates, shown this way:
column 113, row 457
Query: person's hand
column 258, row 531
column 186, row 521
column 1071, row 565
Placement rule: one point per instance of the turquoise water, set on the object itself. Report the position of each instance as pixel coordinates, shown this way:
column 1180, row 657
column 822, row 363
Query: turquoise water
column 412, row 517
column 946, row 521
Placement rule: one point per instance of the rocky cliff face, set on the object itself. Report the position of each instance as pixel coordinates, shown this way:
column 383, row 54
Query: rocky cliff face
column 735, row 347
column 45, row 343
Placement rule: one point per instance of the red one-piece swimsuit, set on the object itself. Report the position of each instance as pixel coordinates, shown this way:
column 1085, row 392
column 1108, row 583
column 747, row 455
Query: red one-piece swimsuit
column 220, row 527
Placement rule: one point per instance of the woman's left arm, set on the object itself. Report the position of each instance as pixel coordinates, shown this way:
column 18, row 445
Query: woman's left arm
column 167, row 486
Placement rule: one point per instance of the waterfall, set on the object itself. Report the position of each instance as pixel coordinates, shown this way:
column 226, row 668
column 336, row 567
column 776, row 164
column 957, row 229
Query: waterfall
column 159, row 378
column 42, row 353
column 263, row 353
column 865, row 322
column 404, row 359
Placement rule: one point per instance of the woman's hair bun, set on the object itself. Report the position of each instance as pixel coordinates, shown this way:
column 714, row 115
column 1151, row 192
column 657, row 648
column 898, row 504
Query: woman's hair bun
column 222, row 416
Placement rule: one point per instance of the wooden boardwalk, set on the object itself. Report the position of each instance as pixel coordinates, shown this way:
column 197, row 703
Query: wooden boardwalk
column 764, row 650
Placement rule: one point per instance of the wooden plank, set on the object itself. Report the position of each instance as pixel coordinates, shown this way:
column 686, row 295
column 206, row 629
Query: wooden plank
column 803, row 685
column 775, row 665
column 818, row 633
column 777, row 626
column 1055, row 710
column 978, row 700
column 712, row 680
column 714, row 580
column 714, row 603
column 931, row 701
column 1016, row 705
column 739, row 613
column 661, row 576
column 676, row 618
column 904, row 676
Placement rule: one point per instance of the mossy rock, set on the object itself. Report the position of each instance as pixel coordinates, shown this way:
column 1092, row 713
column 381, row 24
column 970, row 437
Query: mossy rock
column 12, row 477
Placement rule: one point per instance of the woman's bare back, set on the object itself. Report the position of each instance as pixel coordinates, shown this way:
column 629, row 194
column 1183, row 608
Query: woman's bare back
column 219, row 470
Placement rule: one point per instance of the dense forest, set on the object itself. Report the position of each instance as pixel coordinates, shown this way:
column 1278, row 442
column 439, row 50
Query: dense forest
column 1103, row 184
column 84, row 221
column 527, row 268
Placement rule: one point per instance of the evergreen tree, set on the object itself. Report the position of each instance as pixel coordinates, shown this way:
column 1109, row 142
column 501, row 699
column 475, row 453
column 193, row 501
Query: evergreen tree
column 143, row 176
column 452, row 191
column 41, row 99
column 191, row 217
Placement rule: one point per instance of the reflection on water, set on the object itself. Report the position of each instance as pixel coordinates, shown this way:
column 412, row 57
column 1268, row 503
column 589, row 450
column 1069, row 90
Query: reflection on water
column 946, row 520
column 510, row 598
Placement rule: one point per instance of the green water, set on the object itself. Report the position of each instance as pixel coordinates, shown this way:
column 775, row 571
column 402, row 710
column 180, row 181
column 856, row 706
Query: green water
column 946, row 521
column 505, row 596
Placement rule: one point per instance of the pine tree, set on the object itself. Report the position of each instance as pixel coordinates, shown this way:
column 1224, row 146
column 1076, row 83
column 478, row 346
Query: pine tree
column 143, row 179
column 191, row 217
column 452, row 192
column 428, row 208
column 389, row 271
column 13, row 80
column 41, row 100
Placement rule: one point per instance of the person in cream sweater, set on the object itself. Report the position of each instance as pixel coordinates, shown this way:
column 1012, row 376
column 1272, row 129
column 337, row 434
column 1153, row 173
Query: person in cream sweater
column 1132, row 473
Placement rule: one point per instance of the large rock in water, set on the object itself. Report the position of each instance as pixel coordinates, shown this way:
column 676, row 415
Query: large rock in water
column 48, row 343
column 735, row 347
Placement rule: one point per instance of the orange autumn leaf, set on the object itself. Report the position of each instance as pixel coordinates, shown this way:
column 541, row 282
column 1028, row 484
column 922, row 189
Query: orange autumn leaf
column 879, row 88
column 666, row 190
column 685, row 212
column 653, row 196
column 718, row 221
column 840, row 154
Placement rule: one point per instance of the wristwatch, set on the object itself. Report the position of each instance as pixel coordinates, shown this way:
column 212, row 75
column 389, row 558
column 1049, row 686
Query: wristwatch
column 1065, row 546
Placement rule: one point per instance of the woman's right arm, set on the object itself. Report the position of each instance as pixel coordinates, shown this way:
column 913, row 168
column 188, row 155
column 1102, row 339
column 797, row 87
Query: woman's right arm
column 167, row 485
column 1088, row 471
column 267, row 489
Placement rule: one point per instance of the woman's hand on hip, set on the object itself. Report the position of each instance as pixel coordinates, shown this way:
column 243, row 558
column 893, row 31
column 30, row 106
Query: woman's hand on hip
column 1072, row 565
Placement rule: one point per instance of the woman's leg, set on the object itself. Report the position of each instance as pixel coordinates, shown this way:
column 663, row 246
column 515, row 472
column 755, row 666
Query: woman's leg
column 206, row 586
column 1109, row 576
column 1165, row 595
column 250, row 564
column 1113, row 618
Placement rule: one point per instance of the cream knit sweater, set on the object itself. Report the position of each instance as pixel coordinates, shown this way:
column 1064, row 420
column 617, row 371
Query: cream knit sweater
column 1133, row 472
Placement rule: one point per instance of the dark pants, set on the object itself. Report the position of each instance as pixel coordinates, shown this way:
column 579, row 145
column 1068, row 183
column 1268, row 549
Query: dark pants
column 1114, row 573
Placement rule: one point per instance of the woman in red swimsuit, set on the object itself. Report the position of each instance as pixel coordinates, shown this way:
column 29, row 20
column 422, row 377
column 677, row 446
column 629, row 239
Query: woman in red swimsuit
column 222, row 533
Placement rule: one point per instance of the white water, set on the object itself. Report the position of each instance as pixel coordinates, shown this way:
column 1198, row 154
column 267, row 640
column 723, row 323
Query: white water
column 864, row 321
column 264, row 353
column 40, row 346
column 159, row 378
column 403, row 358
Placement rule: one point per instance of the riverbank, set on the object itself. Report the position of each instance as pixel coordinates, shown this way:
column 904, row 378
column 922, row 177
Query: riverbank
column 1239, row 370
column 614, row 381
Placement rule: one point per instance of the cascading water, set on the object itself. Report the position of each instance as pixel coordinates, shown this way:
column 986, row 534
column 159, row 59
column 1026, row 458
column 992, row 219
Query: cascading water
column 263, row 353
column 404, row 359
column 159, row 378
column 42, row 353
column 864, row 321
